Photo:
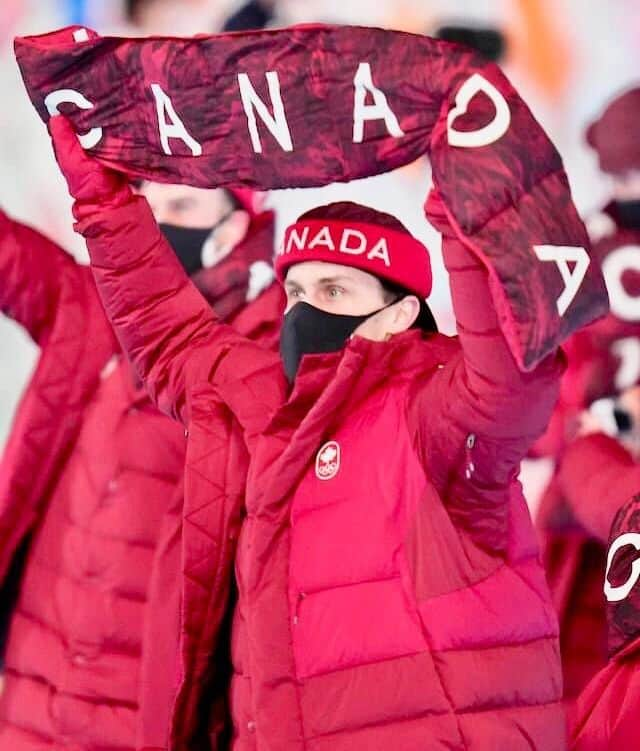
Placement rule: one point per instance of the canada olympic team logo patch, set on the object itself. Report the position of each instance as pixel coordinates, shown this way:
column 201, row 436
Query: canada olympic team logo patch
column 328, row 461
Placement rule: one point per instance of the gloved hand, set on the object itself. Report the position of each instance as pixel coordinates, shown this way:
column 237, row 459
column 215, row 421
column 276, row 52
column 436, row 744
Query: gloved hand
column 94, row 187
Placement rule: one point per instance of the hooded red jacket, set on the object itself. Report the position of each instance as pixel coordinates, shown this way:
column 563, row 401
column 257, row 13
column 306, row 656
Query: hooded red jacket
column 390, row 591
column 593, row 475
column 93, row 472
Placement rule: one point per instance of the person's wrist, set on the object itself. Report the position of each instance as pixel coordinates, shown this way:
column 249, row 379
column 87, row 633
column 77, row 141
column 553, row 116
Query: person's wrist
column 84, row 209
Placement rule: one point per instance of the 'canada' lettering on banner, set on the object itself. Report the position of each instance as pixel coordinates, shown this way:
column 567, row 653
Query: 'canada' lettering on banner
column 269, row 98
column 171, row 125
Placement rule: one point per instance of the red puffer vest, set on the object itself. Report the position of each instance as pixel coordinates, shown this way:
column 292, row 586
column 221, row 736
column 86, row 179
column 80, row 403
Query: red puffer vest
column 83, row 664
column 390, row 591
column 591, row 478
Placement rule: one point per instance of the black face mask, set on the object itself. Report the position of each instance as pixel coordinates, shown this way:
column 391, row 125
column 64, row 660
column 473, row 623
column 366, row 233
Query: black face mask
column 308, row 330
column 188, row 242
column 628, row 213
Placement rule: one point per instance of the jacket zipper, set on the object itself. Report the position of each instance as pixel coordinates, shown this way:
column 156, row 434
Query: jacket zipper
column 299, row 599
column 469, row 465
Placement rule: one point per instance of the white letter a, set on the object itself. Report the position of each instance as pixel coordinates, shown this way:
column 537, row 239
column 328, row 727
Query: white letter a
column 379, row 110
column 174, row 129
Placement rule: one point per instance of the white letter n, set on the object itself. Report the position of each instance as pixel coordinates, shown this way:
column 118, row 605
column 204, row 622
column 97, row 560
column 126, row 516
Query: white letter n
column 379, row 110
column 175, row 128
column 251, row 102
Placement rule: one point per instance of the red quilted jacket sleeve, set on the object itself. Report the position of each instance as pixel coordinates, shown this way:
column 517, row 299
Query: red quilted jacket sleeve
column 32, row 268
column 164, row 324
column 597, row 476
column 478, row 415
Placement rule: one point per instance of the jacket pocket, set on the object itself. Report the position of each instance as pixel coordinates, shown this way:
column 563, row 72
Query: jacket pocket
column 353, row 625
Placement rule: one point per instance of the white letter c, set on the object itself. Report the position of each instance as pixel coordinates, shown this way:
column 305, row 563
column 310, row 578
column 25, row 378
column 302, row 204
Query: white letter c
column 53, row 100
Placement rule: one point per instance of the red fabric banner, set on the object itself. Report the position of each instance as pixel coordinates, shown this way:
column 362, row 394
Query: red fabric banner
column 311, row 105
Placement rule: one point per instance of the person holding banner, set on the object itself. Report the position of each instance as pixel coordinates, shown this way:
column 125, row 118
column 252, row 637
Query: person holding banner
column 593, row 432
column 92, row 488
column 349, row 597
column 390, row 591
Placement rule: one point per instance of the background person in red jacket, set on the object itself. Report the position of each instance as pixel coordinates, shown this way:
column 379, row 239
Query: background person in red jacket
column 603, row 361
column 91, row 482
column 602, row 465
column 606, row 713
column 390, row 591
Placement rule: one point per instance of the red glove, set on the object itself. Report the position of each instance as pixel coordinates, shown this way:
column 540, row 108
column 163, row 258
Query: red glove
column 93, row 186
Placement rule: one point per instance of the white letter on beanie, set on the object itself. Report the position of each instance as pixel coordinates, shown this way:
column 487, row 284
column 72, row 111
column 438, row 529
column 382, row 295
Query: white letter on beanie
column 379, row 110
column 276, row 125
column 174, row 129
column 625, row 258
column 487, row 134
column 563, row 256
column 615, row 594
column 380, row 250
column 298, row 240
column 323, row 237
column 344, row 242
column 53, row 100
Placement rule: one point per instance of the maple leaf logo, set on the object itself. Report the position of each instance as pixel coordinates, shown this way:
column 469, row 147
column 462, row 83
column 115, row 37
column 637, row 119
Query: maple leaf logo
column 328, row 461
column 328, row 455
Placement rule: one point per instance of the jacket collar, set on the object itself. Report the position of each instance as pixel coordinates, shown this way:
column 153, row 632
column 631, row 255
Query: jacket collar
column 327, row 389
column 364, row 365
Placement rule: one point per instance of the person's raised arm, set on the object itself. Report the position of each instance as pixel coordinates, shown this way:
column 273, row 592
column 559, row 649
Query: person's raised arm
column 597, row 476
column 35, row 277
column 163, row 323
column 478, row 415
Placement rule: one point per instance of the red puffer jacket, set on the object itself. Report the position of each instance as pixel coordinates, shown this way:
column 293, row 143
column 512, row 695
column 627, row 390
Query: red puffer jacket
column 390, row 591
column 94, row 472
column 605, row 716
column 603, row 359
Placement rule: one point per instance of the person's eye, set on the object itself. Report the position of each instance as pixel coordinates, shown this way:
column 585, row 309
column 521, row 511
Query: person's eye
column 334, row 292
column 295, row 293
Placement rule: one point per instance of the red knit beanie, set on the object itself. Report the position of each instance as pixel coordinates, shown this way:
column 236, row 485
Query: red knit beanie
column 614, row 136
column 353, row 235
